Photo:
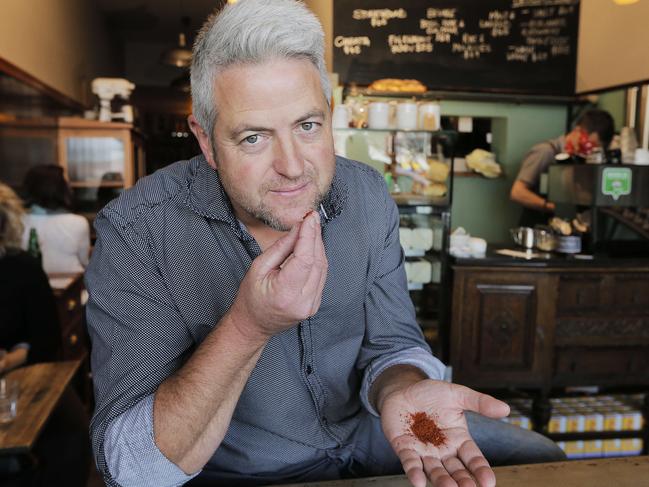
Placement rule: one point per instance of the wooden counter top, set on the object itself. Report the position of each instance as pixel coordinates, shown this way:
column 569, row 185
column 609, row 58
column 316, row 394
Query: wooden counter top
column 41, row 387
column 600, row 472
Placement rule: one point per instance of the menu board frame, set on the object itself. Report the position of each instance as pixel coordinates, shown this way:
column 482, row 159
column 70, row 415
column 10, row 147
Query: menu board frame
column 494, row 46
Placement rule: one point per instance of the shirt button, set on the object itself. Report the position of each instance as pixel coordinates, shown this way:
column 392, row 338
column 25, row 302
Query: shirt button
column 324, row 420
column 308, row 370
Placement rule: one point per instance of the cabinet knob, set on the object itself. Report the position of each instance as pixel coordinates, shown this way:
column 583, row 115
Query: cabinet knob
column 72, row 303
column 74, row 338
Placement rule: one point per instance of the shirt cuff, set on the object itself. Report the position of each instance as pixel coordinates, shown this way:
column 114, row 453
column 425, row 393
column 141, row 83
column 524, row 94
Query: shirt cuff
column 132, row 456
column 415, row 356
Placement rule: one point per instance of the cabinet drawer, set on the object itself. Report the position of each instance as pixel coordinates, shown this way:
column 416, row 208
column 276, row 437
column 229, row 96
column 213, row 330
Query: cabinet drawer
column 631, row 293
column 602, row 365
column 74, row 341
column 579, row 293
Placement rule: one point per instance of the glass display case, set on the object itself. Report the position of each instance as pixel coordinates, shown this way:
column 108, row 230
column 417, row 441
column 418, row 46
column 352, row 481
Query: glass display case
column 418, row 168
column 100, row 159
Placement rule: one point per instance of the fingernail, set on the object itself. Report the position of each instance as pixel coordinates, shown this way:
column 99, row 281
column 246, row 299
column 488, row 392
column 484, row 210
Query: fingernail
column 317, row 217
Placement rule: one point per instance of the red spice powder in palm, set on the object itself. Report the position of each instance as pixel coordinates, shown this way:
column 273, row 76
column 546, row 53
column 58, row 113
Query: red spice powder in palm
column 425, row 429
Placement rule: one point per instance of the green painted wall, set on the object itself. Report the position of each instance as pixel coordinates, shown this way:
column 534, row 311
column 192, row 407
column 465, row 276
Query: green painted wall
column 614, row 102
column 481, row 205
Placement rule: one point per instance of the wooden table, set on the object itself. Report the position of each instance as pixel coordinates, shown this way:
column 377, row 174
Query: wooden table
column 41, row 387
column 601, row 472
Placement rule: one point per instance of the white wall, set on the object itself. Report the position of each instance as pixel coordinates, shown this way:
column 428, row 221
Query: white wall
column 62, row 43
column 613, row 44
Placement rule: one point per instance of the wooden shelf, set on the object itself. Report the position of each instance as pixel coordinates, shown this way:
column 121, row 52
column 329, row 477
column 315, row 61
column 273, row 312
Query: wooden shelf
column 412, row 199
column 95, row 183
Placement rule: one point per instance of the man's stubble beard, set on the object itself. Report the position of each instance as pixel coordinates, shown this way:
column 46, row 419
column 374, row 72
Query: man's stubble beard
column 260, row 211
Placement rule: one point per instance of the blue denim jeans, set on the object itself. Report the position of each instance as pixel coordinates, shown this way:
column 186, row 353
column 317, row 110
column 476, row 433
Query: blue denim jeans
column 506, row 444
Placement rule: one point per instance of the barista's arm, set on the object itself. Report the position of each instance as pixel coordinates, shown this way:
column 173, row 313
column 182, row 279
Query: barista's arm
column 524, row 196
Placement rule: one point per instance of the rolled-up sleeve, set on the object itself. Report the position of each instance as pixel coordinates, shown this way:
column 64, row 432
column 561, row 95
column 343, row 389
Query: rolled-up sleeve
column 138, row 340
column 133, row 458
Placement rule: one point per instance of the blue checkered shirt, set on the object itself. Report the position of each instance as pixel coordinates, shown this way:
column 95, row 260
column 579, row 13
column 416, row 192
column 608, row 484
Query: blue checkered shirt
column 169, row 258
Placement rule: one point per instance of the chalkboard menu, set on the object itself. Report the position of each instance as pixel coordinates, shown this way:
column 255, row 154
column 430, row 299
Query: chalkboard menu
column 503, row 46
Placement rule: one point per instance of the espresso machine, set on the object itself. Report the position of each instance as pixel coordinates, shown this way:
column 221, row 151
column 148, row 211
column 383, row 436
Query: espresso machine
column 617, row 196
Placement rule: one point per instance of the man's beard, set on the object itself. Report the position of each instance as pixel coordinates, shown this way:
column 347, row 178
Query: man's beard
column 264, row 214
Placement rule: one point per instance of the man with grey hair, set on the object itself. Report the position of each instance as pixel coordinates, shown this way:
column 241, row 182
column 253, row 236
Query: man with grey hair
column 248, row 308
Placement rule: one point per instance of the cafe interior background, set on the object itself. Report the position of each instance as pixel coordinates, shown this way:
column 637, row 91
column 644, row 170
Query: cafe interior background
column 563, row 337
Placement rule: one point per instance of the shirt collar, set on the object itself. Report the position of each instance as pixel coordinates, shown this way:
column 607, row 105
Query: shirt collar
column 206, row 196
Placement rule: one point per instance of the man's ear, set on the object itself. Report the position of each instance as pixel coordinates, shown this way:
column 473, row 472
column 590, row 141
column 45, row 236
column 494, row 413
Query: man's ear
column 204, row 140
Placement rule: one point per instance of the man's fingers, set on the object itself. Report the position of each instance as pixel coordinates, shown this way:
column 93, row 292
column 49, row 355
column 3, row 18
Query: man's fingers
column 437, row 474
column 306, row 239
column 477, row 464
column 276, row 254
column 458, row 471
column 412, row 466
column 318, row 275
column 480, row 403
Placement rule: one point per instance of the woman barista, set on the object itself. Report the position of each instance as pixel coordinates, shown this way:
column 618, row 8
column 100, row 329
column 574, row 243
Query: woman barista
column 594, row 128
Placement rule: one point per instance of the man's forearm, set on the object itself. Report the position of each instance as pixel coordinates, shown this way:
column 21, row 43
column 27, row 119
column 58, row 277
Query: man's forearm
column 392, row 380
column 193, row 408
column 524, row 196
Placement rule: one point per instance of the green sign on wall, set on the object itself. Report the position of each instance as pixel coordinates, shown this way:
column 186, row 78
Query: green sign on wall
column 616, row 181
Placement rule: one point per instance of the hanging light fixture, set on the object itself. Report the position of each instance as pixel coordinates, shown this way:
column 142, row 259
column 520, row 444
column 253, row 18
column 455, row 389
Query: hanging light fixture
column 179, row 56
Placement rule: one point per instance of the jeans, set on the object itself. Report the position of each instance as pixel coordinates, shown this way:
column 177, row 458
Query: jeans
column 368, row 454
column 505, row 444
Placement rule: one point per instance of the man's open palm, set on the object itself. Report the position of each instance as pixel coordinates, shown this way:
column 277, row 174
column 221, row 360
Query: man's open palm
column 457, row 461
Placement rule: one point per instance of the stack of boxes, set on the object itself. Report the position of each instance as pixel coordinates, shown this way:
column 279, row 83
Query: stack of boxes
column 416, row 242
column 589, row 414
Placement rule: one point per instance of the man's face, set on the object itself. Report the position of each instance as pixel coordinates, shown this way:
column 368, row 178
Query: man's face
column 272, row 141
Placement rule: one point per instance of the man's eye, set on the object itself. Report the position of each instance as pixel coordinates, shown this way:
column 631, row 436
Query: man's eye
column 308, row 126
column 251, row 139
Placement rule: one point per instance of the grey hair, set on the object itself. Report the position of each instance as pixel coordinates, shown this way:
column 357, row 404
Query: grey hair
column 252, row 32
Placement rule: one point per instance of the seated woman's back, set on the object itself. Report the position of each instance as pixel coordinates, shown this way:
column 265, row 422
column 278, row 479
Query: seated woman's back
column 63, row 236
column 64, row 239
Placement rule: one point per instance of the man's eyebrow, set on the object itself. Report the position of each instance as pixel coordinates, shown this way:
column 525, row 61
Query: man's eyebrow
column 312, row 114
column 238, row 130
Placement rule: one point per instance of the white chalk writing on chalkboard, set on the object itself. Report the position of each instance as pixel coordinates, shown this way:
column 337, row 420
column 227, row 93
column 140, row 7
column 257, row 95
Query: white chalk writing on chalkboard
column 352, row 46
column 525, row 54
column 440, row 13
column 379, row 17
column 503, row 45
column 541, row 3
column 472, row 46
column 404, row 44
column 498, row 23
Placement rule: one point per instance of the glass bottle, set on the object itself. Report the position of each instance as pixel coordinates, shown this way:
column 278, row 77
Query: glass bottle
column 33, row 247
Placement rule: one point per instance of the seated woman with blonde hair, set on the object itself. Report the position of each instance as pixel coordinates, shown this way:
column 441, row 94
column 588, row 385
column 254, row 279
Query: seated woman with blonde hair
column 30, row 332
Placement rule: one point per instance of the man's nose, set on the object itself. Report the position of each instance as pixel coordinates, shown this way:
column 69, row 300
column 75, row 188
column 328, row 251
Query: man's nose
column 287, row 158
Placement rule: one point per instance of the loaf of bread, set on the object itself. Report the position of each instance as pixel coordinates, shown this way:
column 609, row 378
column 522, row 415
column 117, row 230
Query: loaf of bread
column 394, row 85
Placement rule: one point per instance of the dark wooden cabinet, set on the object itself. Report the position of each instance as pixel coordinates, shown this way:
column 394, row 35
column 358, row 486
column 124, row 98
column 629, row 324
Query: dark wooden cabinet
column 500, row 324
column 545, row 326
column 68, row 289
column 75, row 344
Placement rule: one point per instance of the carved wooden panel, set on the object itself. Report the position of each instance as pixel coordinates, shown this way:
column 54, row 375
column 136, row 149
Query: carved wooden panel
column 501, row 324
column 505, row 326
column 579, row 293
column 631, row 293
column 603, row 365
column 609, row 327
